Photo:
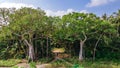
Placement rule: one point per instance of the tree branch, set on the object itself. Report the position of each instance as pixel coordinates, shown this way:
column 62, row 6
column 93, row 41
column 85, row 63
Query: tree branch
column 85, row 37
column 25, row 41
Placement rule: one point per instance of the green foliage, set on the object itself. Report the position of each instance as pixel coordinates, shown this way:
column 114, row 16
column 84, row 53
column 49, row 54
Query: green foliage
column 32, row 65
column 46, row 33
column 77, row 66
column 60, row 64
column 15, row 67
column 86, row 63
column 9, row 63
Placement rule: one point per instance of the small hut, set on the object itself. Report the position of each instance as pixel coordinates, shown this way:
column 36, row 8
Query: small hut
column 58, row 51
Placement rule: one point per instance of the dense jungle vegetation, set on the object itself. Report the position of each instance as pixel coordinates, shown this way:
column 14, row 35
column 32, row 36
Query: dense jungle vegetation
column 28, row 33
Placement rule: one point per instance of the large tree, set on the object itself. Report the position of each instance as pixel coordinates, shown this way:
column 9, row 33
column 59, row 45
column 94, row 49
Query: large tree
column 78, row 28
column 23, row 23
column 83, row 27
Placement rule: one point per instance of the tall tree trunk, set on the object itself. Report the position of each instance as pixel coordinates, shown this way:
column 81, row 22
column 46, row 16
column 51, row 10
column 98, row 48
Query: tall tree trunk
column 81, row 47
column 81, row 51
column 94, row 52
column 47, row 47
column 42, row 49
column 31, row 54
column 36, row 50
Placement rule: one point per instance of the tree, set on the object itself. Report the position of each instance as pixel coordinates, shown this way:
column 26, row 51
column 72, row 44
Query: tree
column 4, row 16
column 104, row 33
column 115, row 19
column 23, row 24
column 78, row 28
column 49, row 30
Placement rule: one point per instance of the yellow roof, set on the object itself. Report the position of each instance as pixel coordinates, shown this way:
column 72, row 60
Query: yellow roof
column 58, row 50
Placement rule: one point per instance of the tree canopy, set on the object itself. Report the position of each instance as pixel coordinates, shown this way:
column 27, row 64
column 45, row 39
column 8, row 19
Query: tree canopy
column 33, row 35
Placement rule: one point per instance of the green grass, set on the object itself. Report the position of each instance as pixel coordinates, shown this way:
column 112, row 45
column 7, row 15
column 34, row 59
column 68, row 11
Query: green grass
column 100, row 64
column 96, row 64
column 32, row 65
column 85, row 64
column 74, row 61
column 9, row 62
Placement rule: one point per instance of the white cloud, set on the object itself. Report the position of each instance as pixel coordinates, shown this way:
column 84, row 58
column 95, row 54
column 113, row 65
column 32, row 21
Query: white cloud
column 84, row 11
column 48, row 12
column 61, row 13
column 98, row 2
column 14, row 5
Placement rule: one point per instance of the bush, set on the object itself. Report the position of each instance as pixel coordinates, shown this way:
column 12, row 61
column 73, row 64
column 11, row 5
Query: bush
column 9, row 63
column 32, row 65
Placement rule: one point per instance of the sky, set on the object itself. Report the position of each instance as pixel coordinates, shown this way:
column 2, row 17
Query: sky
column 61, row 7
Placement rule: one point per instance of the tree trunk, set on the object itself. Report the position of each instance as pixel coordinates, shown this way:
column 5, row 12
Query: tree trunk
column 36, row 51
column 81, row 47
column 94, row 52
column 42, row 50
column 81, row 51
column 47, row 47
column 31, row 54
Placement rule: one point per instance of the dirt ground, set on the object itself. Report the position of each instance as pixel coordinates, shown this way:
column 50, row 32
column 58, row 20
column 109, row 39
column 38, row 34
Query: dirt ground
column 25, row 65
